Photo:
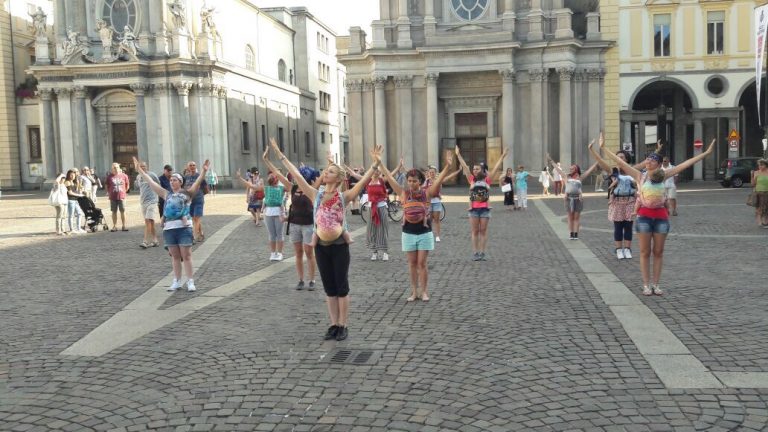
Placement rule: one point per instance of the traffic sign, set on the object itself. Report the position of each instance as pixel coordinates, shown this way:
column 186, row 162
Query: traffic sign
column 734, row 135
column 698, row 144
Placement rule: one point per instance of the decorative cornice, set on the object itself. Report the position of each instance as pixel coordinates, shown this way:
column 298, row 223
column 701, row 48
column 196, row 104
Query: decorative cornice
column 432, row 78
column 139, row 89
column 508, row 75
column 45, row 94
column 538, row 74
column 472, row 101
column 566, row 73
column 403, row 81
column 595, row 74
column 367, row 85
column 354, row 85
column 579, row 75
column 183, row 87
column 63, row 91
column 379, row 81
column 161, row 88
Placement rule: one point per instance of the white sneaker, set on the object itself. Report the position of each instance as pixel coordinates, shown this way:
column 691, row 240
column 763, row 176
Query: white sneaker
column 627, row 253
column 437, row 239
column 278, row 256
column 373, row 257
column 273, row 256
column 191, row 286
column 385, row 257
column 620, row 253
column 174, row 285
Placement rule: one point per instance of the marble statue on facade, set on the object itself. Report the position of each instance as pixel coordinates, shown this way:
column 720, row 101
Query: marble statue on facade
column 128, row 43
column 105, row 33
column 38, row 21
column 72, row 43
column 206, row 15
column 178, row 10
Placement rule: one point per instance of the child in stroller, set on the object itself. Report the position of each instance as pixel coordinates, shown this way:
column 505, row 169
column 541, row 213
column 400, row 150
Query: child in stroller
column 93, row 215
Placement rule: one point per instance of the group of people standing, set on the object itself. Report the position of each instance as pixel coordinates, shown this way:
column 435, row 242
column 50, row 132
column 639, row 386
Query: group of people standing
column 66, row 190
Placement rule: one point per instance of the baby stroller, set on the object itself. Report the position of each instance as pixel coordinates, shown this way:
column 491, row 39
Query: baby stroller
column 93, row 215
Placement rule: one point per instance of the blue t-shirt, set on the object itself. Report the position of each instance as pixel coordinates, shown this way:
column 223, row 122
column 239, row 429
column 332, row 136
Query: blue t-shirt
column 189, row 180
column 165, row 182
column 521, row 180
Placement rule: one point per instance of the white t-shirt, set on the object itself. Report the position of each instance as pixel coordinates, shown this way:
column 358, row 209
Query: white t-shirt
column 670, row 182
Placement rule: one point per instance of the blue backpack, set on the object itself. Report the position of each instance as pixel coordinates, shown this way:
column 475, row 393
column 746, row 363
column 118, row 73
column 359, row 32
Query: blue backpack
column 626, row 187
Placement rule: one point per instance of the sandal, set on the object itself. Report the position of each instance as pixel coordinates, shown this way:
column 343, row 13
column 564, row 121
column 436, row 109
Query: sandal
column 411, row 298
column 424, row 297
column 124, row 229
column 113, row 230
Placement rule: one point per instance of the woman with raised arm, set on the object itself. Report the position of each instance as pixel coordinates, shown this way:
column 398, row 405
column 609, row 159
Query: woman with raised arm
column 332, row 251
column 621, row 204
column 436, row 201
column 254, row 191
column 652, row 217
column 417, row 237
column 177, row 229
column 573, row 195
column 479, row 201
column 300, row 221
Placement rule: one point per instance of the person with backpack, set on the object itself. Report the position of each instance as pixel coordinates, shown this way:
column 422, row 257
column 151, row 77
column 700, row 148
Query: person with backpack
column 332, row 251
column 417, row 238
column 652, row 217
column 479, row 201
column 573, row 194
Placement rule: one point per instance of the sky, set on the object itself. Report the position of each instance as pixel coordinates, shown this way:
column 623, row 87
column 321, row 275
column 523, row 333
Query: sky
column 340, row 15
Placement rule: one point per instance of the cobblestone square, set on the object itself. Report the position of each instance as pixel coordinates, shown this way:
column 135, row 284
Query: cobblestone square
column 529, row 340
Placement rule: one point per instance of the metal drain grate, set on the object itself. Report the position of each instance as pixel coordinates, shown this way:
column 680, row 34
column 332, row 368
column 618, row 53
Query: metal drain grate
column 354, row 357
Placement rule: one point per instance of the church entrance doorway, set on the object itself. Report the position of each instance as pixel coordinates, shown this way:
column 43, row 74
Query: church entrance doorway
column 471, row 134
column 125, row 147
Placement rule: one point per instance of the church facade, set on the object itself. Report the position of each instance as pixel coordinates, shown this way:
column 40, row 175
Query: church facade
column 481, row 74
column 173, row 81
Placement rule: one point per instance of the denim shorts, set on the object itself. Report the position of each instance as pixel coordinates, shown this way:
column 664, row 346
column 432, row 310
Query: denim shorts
column 436, row 207
column 254, row 206
column 196, row 208
column 480, row 213
column 418, row 242
column 177, row 237
column 645, row 225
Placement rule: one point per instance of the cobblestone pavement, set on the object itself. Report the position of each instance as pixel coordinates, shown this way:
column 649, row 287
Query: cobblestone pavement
column 520, row 342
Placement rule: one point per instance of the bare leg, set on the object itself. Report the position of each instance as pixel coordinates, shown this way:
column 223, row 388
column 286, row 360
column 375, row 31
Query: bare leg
column 152, row 232
column 114, row 221
column 122, row 218
column 299, row 251
column 658, row 255
column 176, row 261
column 482, row 234
column 279, row 246
column 645, row 256
column 413, row 270
column 309, row 252
column 673, row 205
column 333, row 309
column 474, row 224
column 186, row 253
column 436, row 224
column 576, row 222
column 272, row 245
column 423, row 274
column 146, row 230
column 344, row 311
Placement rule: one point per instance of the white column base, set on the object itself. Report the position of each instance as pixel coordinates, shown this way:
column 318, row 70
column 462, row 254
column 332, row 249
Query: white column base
column 42, row 51
column 404, row 33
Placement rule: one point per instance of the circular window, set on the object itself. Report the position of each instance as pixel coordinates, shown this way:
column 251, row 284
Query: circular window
column 716, row 85
column 469, row 10
column 119, row 14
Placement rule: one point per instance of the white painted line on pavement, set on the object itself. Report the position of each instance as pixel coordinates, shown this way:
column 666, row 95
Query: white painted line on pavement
column 143, row 316
column 669, row 358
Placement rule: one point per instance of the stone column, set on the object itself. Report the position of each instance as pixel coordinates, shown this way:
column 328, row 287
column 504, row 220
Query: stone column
column 403, row 85
column 508, row 112
column 508, row 18
column 49, row 142
column 403, row 26
column 187, row 151
column 566, row 122
column 640, row 140
column 167, row 134
column 66, row 143
column 222, row 155
column 580, row 153
column 433, row 135
column 354, row 90
column 61, row 28
column 380, row 104
column 430, row 23
column 368, row 115
column 698, row 167
column 145, row 35
column 536, row 146
column 82, row 154
column 535, row 22
column 139, row 90
column 594, row 102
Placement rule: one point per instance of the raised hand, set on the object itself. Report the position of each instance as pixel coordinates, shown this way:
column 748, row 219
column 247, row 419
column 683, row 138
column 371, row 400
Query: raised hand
column 601, row 140
column 237, row 174
column 265, row 156
column 591, row 145
column 505, row 152
column 136, row 164
column 711, row 147
column 456, row 150
column 206, row 165
column 329, row 157
column 448, row 159
column 659, row 146
column 274, row 145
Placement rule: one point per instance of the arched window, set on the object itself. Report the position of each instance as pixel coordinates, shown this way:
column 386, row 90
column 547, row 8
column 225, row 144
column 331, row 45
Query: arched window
column 250, row 58
column 281, row 70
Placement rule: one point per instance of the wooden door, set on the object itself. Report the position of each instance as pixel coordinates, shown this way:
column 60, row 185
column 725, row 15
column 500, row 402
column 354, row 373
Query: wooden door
column 125, row 146
column 471, row 134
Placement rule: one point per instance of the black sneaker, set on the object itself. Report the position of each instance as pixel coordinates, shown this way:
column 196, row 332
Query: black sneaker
column 331, row 333
column 300, row 285
column 342, row 333
column 482, row 256
column 311, row 286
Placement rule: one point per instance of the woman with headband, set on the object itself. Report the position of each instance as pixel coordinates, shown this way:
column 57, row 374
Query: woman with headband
column 652, row 224
column 177, row 229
